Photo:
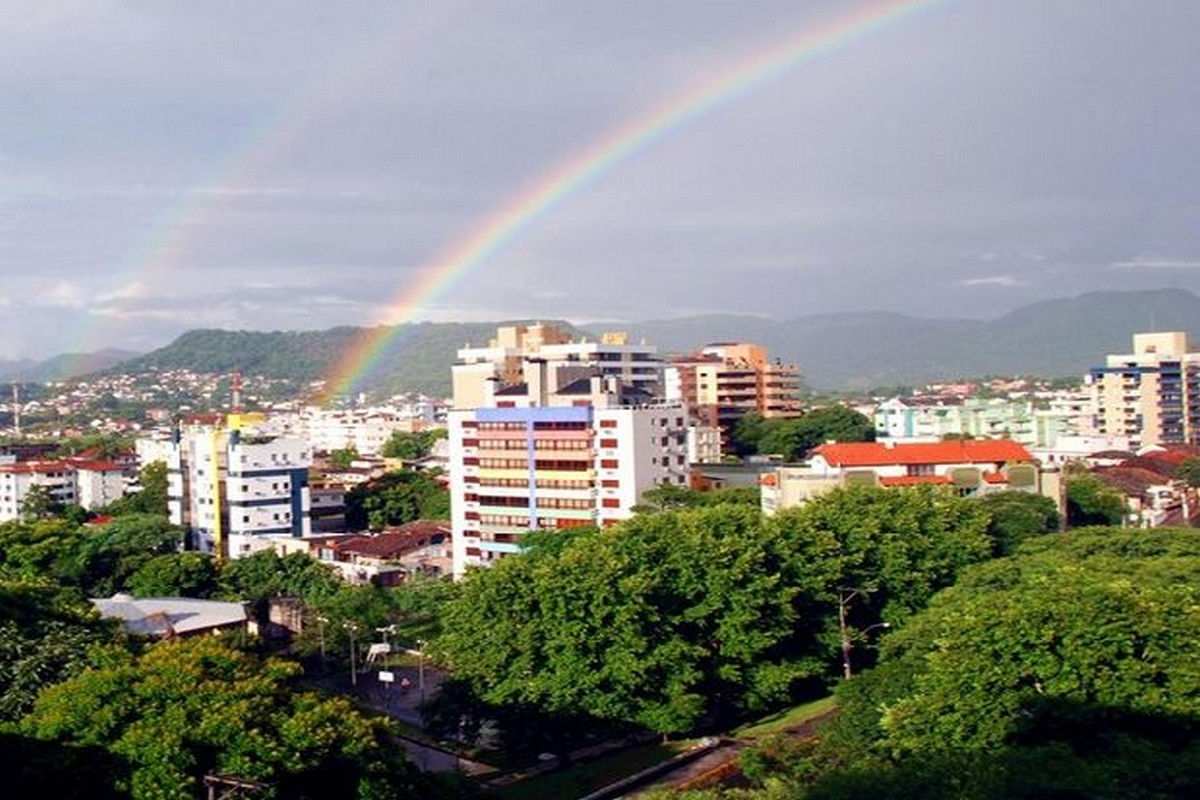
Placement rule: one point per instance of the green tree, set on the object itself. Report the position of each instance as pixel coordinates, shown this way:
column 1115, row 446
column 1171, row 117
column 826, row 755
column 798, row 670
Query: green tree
column 342, row 459
column 1189, row 471
column 150, row 498
column 412, row 446
column 662, row 621
column 395, row 498
column 793, row 438
column 40, row 503
column 1014, row 517
column 110, row 554
column 1065, row 670
column 193, row 707
column 669, row 497
column 41, row 550
column 108, row 446
column 45, row 633
column 1090, row 501
column 746, row 434
column 175, row 575
column 260, row 576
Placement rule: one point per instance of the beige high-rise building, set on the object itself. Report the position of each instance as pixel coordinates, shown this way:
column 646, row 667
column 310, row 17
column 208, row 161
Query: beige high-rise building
column 726, row 380
column 502, row 361
column 1151, row 395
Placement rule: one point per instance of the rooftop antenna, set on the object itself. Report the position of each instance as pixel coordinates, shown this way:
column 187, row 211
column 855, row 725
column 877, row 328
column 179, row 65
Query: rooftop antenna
column 235, row 387
column 17, row 407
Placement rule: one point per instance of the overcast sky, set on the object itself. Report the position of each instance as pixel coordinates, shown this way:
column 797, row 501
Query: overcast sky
column 287, row 164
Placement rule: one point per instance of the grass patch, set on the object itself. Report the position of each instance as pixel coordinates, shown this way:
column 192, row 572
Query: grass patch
column 578, row 780
column 788, row 718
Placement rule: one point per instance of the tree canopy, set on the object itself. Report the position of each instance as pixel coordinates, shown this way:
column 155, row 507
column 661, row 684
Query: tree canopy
column 395, row 498
column 1014, row 517
column 1090, row 501
column 412, row 446
column 669, row 620
column 193, row 707
column 792, row 438
column 1065, row 670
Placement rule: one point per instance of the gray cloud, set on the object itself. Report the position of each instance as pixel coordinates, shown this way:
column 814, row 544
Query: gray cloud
column 311, row 159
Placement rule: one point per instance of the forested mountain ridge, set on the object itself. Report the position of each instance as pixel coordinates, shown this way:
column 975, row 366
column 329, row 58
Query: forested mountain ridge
column 834, row 351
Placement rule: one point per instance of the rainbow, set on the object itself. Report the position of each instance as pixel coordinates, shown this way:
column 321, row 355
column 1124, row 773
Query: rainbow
column 541, row 196
column 159, row 250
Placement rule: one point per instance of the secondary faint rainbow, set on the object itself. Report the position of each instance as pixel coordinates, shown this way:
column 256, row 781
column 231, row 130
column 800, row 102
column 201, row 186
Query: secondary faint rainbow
column 271, row 138
column 441, row 274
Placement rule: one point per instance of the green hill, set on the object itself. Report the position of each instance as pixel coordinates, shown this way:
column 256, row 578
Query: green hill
column 835, row 351
column 416, row 358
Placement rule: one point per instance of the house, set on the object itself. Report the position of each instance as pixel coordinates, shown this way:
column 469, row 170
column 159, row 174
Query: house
column 970, row 466
column 388, row 558
column 168, row 617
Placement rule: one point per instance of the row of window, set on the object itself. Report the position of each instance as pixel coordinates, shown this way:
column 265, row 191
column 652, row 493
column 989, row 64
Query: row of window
column 523, row 444
column 560, row 426
column 286, row 517
column 504, row 520
column 564, row 502
column 495, row 426
column 274, row 487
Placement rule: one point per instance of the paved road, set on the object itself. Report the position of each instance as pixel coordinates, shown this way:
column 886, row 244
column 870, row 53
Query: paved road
column 400, row 702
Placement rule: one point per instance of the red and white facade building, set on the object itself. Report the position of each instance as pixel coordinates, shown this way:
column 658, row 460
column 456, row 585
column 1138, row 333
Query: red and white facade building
column 553, row 452
column 970, row 467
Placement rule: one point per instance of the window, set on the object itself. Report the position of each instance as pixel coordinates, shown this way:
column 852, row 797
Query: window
column 608, row 442
column 610, row 502
column 609, row 463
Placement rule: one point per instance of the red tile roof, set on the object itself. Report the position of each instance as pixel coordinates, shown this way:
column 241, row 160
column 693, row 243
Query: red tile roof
column 35, row 467
column 970, row 451
column 394, row 542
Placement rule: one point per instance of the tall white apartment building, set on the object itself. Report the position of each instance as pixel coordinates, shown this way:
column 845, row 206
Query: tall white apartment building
column 234, row 490
column 564, row 446
column 1151, row 395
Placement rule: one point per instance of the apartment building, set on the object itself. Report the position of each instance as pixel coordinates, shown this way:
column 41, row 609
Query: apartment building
column 90, row 484
column 724, row 381
column 1021, row 420
column 1151, row 395
column 611, row 355
column 234, row 489
column 566, row 445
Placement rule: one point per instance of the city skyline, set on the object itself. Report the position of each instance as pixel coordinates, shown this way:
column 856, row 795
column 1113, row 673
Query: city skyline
column 298, row 166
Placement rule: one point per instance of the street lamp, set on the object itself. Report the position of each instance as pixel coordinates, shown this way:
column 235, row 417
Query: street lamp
column 321, row 623
column 421, row 668
column 845, row 595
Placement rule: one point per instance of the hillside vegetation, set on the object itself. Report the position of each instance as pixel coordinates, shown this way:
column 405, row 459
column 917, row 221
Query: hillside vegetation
column 834, row 351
